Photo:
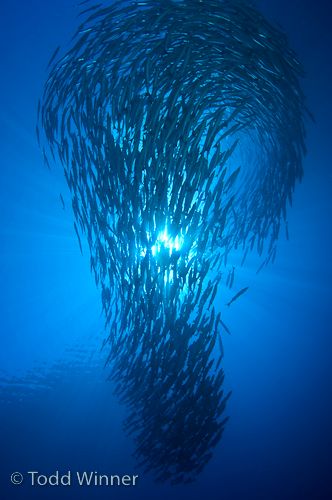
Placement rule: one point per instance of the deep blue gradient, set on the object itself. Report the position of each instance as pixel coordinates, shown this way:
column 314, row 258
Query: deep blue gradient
column 57, row 412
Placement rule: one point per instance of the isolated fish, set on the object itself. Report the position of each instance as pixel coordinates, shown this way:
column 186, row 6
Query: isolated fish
column 236, row 296
column 62, row 201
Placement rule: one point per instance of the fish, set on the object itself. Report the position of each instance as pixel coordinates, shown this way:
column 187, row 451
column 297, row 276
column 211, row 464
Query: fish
column 78, row 238
column 55, row 53
column 237, row 295
column 152, row 112
column 62, row 201
column 225, row 327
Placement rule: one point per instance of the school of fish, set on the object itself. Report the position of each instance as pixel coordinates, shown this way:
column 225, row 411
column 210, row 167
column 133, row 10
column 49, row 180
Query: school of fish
column 180, row 127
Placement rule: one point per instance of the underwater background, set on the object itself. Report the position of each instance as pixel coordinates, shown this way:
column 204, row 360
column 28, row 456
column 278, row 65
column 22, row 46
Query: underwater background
column 57, row 409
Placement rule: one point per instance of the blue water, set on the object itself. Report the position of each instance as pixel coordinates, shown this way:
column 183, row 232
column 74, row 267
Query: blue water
column 57, row 410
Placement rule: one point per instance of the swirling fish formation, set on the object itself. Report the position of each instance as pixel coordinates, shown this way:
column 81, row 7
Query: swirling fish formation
column 180, row 126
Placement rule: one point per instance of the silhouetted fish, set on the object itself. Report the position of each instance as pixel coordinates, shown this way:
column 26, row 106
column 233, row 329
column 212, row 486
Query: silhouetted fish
column 180, row 127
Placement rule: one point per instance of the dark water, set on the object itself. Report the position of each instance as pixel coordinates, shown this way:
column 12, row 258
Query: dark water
column 57, row 410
